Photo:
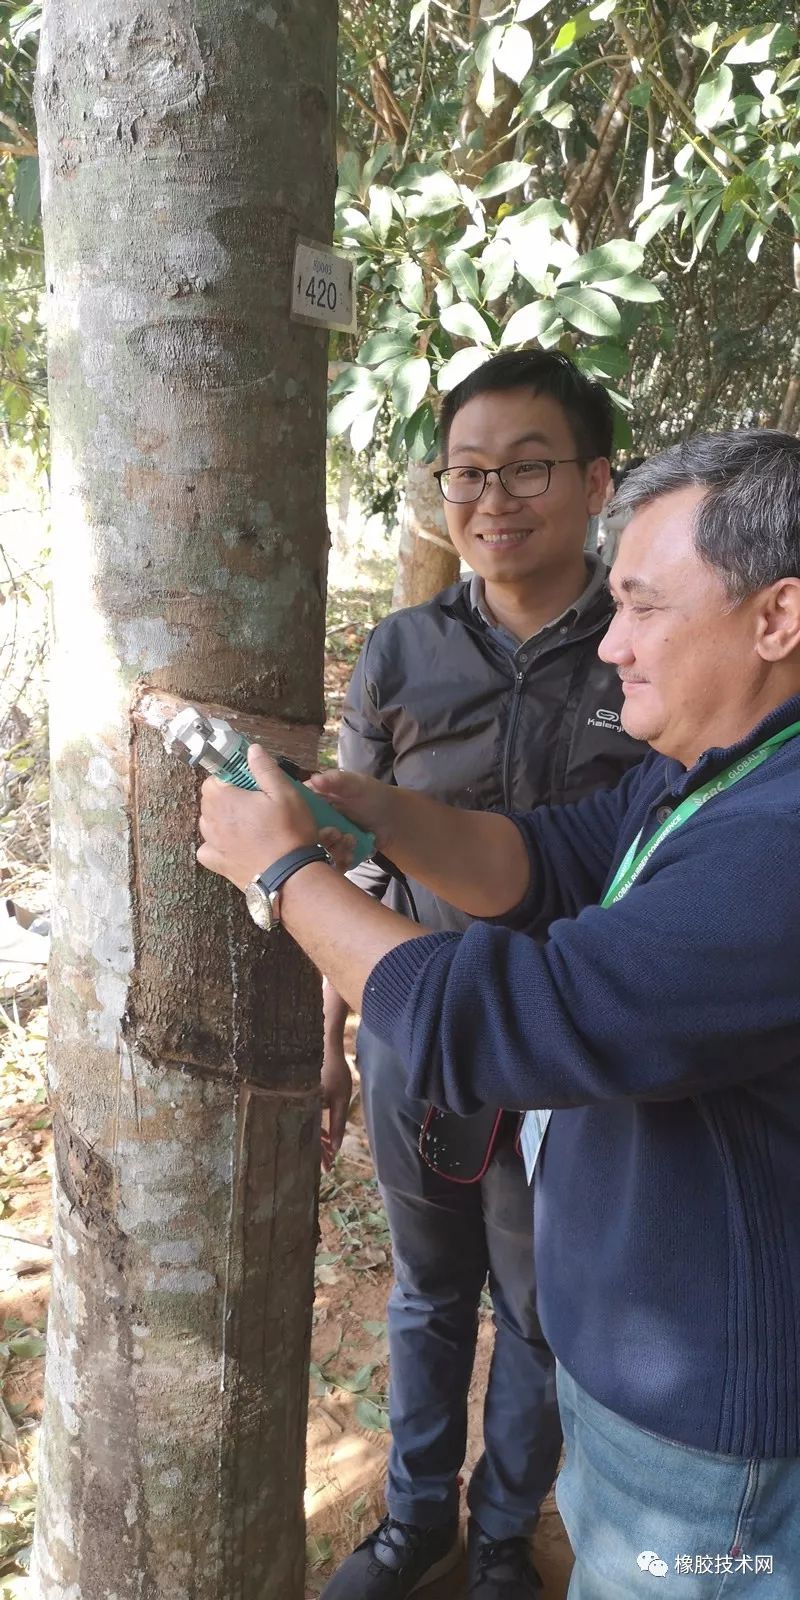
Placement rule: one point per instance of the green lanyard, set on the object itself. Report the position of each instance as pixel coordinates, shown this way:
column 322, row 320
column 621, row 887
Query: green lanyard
column 629, row 869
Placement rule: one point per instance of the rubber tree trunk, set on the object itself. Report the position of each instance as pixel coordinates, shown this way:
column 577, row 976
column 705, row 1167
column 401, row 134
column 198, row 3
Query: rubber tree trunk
column 426, row 560
column 184, row 147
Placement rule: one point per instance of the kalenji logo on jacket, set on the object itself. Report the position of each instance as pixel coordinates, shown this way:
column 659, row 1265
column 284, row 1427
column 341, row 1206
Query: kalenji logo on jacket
column 605, row 719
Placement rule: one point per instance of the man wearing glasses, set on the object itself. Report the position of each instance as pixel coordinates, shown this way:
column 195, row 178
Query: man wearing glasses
column 491, row 694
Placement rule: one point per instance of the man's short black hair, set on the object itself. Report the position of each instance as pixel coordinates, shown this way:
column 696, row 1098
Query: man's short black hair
column 544, row 372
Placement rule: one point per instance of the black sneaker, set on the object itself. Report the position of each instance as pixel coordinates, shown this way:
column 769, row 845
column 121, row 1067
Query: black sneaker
column 395, row 1560
column 500, row 1569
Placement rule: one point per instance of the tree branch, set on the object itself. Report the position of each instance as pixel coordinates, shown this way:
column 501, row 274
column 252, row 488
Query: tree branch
column 372, row 111
column 27, row 143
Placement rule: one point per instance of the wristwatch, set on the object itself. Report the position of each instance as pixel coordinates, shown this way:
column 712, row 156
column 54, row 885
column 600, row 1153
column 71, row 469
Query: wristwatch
column 261, row 894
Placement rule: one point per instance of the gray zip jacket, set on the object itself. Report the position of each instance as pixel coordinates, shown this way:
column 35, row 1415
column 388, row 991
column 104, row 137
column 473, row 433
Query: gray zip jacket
column 440, row 704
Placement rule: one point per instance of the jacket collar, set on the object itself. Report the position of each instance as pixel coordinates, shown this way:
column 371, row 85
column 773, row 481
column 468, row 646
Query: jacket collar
column 592, row 610
column 683, row 780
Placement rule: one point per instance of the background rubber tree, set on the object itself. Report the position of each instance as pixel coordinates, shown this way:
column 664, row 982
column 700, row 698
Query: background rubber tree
column 182, row 153
column 23, row 379
column 652, row 191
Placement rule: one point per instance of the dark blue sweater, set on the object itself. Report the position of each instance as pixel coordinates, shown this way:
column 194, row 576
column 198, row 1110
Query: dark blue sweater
column 666, row 1030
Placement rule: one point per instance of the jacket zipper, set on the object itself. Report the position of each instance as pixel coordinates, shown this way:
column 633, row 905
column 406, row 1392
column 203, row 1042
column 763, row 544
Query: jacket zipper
column 519, row 679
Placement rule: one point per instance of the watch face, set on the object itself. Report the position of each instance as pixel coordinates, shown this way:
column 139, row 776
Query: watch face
column 258, row 904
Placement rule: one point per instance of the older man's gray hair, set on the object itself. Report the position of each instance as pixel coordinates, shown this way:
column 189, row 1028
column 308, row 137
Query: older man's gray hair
column 747, row 526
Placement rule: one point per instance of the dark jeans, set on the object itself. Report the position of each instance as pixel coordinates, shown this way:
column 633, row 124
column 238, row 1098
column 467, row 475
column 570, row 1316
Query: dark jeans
column 447, row 1239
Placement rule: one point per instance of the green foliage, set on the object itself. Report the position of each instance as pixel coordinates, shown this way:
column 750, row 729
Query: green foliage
column 493, row 231
column 23, row 379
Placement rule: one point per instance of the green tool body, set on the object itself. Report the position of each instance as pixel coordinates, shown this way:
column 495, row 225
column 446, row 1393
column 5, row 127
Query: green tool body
column 213, row 745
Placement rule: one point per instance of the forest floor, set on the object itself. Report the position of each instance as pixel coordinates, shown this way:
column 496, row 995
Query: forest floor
column 347, row 1428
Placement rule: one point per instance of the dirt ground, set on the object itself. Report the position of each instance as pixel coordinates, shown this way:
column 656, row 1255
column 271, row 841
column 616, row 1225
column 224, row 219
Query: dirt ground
column 347, row 1437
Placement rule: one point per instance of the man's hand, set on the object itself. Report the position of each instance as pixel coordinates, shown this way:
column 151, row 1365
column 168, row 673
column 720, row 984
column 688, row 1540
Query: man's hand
column 337, row 1088
column 243, row 832
column 367, row 801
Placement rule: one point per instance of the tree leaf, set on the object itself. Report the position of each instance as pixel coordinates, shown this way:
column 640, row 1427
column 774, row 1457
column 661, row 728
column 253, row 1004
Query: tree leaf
column 639, row 95
column 559, row 115
column 515, row 55
column 459, row 367
column 497, row 266
column 631, row 286
column 503, row 178
column 588, row 310
column 529, row 8
column 433, row 196
column 755, row 239
column 319, row 1550
column 362, row 429
column 530, row 322
column 622, row 438
column 576, row 28
column 487, row 47
column 486, row 96
column 603, row 360
column 463, row 274
column 421, row 435
column 25, row 1346
column 760, row 44
column 383, row 346
column 348, row 174
column 25, row 22
column 344, row 413
column 381, row 214
column 326, row 1275
column 732, row 223
column 705, row 223
column 740, row 187
column 612, row 260
column 373, row 1417
column 444, row 293
column 410, row 385
column 465, row 322
column 656, row 220
column 704, row 40
column 376, row 164
column 411, row 285
column 537, row 99
column 27, row 193
column 417, row 13
column 354, row 1383
column 712, row 97
column 531, row 245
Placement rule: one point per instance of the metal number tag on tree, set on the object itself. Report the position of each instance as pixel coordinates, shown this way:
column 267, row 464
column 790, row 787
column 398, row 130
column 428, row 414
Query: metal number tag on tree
column 322, row 287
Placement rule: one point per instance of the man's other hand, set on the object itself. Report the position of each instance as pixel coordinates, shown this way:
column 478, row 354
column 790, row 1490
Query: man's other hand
column 337, row 1089
column 366, row 801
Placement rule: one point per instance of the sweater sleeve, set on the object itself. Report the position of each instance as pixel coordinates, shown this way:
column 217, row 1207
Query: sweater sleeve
column 686, row 985
column 571, row 850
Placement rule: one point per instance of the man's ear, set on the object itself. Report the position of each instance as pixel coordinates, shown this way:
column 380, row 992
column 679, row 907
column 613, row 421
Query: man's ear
column 778, row 630
column 598, row 477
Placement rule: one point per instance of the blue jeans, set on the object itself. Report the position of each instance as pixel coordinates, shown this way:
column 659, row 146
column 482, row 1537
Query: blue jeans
column 649, row 1518
column 447, row 1239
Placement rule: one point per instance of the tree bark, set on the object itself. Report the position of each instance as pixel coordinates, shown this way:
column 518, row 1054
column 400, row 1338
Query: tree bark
column 426, row 560
column 792, row 392
column 183, row 150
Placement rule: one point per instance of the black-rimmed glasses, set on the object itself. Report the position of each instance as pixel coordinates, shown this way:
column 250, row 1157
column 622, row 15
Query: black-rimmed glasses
column 522, row 479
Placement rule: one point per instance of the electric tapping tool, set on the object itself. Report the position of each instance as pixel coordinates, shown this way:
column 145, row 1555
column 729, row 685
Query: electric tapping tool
column 213, row 745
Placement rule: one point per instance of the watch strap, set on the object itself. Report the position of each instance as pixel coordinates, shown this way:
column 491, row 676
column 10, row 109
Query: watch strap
column 304, row 856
